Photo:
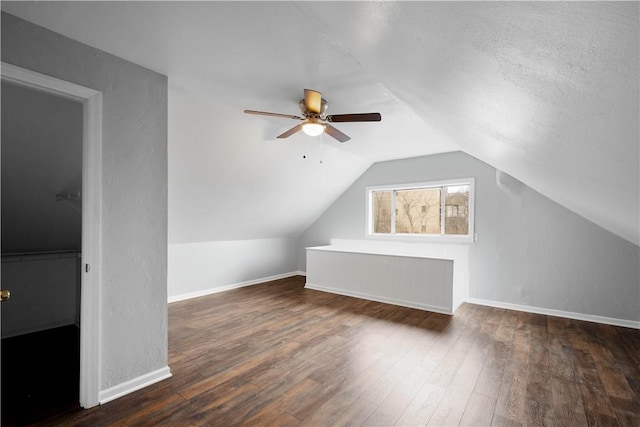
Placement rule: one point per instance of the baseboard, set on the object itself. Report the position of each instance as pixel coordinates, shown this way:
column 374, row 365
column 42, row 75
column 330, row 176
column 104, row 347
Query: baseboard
column 196, row 294
column 402, row 303
column 130, row 386
column 557, row 313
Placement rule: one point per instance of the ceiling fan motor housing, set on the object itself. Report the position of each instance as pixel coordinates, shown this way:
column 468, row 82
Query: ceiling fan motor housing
column 307, row 114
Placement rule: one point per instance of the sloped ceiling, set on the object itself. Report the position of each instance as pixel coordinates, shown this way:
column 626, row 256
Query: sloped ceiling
column 41, row 158
column 544, row 91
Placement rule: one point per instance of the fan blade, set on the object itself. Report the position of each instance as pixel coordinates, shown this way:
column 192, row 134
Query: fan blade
column 313, row 100
column 331, row 131
column 291, row 131
column 360, row 117
column 264, row 113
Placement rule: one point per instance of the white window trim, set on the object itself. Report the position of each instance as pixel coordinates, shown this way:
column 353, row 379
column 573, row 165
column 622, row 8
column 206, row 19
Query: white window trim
column 471, row 182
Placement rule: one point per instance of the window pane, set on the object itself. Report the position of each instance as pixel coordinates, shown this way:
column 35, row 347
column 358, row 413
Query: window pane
column 381, row 211
column 418, row 211
column 457, row 210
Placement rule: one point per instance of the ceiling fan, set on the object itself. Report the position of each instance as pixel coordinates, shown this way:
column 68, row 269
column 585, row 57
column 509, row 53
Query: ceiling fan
column 314, row 119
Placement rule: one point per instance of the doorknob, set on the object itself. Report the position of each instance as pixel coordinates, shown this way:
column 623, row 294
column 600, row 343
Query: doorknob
column 4, row 295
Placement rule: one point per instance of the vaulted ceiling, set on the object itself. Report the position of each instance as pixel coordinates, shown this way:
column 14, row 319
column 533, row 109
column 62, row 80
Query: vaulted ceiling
column 544, row 91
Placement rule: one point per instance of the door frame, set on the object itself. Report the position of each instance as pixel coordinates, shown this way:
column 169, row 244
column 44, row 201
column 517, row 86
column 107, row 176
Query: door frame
column 90, row 319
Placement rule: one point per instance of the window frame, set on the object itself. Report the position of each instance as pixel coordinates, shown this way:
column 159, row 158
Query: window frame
column 422, row 237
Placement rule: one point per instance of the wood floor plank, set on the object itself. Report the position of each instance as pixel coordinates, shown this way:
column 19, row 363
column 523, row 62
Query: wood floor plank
column 489, row 379
column 500, row 421
column 538, row 397
column 511, row 397
column 627, row 420
column 479, row 411
column 595, row 398
column 356, row 413
column 422, row 407
column 451, row 407
column 395, row 404
column 289, row 402
column 595, row 419
column 278, row 354
column 615, row 383
column 327, row 413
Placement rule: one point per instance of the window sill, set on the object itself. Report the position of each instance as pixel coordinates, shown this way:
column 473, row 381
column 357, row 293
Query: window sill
column 421, row 239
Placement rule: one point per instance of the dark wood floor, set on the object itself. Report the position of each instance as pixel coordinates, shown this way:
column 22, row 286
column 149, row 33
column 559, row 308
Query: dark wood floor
column 277, row 354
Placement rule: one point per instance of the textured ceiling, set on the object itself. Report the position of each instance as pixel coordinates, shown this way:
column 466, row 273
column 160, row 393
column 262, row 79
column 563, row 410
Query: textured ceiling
column 545, row 91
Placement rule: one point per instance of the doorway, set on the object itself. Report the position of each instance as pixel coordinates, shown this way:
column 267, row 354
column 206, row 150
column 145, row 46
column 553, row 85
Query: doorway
column 86, row 201
column 41, row 245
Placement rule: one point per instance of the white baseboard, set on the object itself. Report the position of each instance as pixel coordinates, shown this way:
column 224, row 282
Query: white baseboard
column 409, row 304
column 135, row 384
column 557, row 313
column 196, row 294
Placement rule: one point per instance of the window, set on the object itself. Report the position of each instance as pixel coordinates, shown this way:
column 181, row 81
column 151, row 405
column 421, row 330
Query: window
column 435, row 210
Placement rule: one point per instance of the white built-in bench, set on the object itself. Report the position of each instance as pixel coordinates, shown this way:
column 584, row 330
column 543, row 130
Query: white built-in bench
column 427, row 276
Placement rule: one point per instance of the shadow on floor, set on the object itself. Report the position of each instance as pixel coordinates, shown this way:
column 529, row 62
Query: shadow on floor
column 40, row 375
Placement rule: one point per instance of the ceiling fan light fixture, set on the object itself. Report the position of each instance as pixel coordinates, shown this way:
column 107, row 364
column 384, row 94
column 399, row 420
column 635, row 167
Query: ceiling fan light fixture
column 313, row 128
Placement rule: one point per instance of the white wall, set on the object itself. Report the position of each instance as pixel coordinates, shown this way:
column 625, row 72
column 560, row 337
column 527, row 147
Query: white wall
column 409, row 280
column 230, row 181
column 203, row 267
column 530, row 250
column 236, row 201
column 134, row 191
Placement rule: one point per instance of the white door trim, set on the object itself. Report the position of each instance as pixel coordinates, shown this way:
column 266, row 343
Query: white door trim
column 90, row 318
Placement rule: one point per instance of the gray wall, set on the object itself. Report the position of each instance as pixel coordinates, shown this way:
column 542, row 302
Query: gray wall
column 134, row 156
column 41, row 157
column 530, row 251
column 44, row 292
